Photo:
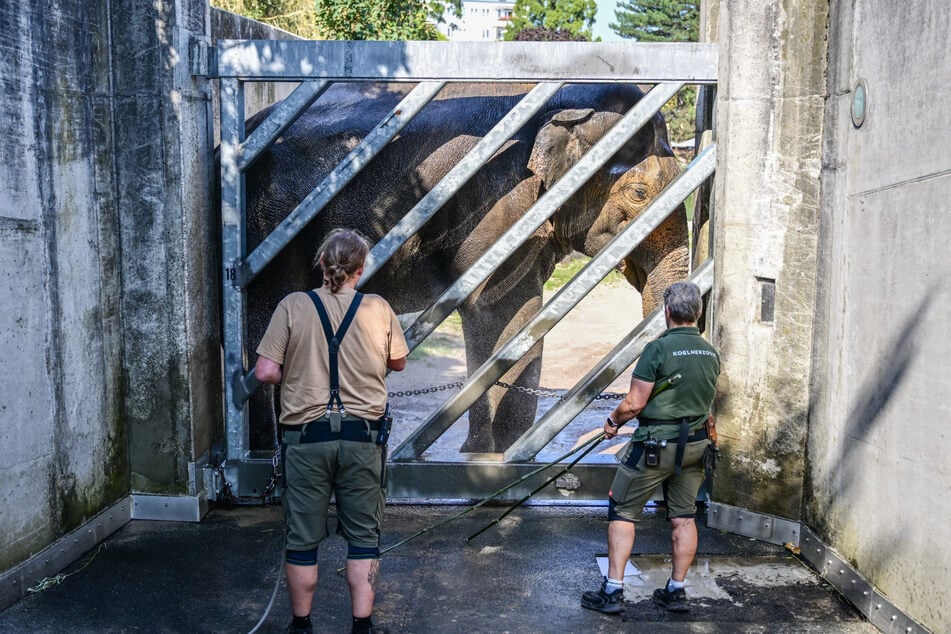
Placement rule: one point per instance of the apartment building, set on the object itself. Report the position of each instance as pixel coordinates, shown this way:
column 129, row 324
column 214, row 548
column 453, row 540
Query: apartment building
column 481, row 21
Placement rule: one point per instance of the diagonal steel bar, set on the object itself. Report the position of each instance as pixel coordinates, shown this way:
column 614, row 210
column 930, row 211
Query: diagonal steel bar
column 457, row 177
column 395, row 121
column 279, row 120
column 569, row 295
column 519, row 232
column 598, row 379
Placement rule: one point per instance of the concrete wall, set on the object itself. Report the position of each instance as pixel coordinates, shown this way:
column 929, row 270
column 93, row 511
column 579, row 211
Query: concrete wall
column 771, row 95
column 63, row 438
column 833, row 412
column 109, row 324
column 109, row 260
column 878, row 485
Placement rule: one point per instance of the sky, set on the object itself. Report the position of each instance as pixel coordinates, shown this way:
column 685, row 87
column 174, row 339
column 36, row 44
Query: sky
column 603, row 18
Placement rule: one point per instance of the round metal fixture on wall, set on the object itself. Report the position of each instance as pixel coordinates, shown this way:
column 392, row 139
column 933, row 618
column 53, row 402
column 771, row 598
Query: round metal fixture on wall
column 859, row 103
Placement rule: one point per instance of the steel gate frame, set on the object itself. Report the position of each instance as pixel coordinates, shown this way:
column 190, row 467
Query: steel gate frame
column 431, row 65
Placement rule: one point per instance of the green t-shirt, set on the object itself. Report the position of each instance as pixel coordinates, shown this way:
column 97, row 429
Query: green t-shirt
column 680, row 350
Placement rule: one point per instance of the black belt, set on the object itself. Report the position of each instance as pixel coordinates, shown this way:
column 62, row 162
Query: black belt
column 700, row 434
column 684, row 437
column 351, row 428
column 643, row 421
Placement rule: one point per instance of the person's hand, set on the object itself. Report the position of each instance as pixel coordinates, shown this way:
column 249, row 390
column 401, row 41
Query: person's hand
column 610, row 428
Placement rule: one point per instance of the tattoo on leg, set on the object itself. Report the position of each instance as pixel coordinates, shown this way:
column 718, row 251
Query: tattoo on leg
column 374, row 573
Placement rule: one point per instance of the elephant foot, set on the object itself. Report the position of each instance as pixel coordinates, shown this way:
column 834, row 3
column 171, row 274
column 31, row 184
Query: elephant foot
column 477, row 445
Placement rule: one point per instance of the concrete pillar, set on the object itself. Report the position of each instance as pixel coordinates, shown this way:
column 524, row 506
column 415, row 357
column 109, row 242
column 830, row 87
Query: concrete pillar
column 769, row 117
column 163, row 132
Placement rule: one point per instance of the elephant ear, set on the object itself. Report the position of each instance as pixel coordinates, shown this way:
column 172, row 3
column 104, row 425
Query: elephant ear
column 559, row 144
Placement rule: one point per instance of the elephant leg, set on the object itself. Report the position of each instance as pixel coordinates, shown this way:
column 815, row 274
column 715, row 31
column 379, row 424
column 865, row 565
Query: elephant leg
column 500, row 415
column 508, row 299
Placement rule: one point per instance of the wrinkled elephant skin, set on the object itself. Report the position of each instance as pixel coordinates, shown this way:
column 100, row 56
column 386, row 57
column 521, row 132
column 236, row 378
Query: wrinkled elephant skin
column 406, row 169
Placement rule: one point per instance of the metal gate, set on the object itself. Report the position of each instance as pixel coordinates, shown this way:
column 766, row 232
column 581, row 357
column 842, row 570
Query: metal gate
column 431, row 65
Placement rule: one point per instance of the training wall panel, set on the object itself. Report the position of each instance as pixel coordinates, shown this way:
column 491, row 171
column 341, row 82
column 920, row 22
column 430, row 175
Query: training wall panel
column 110, row 317
column 26, row 407
column 62, row 456
column 879, row 481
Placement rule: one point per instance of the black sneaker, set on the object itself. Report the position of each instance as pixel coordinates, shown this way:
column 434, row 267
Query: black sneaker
column 607, row 602
column 673, row 600
column 307, row 629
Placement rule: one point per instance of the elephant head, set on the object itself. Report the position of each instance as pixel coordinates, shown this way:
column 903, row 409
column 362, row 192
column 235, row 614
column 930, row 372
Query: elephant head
column 616, row 195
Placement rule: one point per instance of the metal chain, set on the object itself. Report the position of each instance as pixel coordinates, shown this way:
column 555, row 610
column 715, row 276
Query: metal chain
column 559, row 394
column 426, row 390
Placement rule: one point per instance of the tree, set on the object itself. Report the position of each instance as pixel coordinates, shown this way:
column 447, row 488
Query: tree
column 349, row 19
column 539, row 34
column 572, row 16
column 375, row 20
column 664, row 21
column 295, row 16
column 657, row 20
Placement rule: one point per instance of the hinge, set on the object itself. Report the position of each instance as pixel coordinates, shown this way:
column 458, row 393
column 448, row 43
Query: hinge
column 202, row 57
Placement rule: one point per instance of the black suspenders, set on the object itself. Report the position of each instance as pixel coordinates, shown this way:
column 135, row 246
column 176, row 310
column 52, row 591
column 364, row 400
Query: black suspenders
column 333, row 343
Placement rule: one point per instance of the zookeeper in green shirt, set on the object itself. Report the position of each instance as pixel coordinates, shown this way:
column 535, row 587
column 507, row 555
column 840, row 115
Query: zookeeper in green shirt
column 667, row 448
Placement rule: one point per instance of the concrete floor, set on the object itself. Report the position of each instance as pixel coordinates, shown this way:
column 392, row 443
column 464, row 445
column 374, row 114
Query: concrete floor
column 524, row 575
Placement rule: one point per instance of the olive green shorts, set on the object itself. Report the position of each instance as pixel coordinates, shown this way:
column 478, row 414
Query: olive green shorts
column 350, row 471
column 633, row 486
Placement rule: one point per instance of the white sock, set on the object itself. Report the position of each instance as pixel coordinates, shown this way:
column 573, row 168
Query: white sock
column 675, row 585
column 610, row 585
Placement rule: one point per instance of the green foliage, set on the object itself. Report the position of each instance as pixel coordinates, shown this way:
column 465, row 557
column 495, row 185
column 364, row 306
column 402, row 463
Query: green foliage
column 572, row 16
column 664, row 21
column 295, row 16
column 348, row 19
column 375, row 20
column 681, row 114
column 568, row 268
column 442, row 342
column 657, row 20
column 539, row 34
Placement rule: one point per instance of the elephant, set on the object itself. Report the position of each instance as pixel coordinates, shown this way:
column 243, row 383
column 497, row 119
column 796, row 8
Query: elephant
column 526, row 166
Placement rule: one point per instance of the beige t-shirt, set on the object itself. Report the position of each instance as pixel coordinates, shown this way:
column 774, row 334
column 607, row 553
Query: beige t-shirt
column 295, row 340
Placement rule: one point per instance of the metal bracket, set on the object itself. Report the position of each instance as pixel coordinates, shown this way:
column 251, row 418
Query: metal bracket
column 835, row 570
column 766, row 528
column 882, row 613
column 171, row 508
column 58, row 555
column 202, row 57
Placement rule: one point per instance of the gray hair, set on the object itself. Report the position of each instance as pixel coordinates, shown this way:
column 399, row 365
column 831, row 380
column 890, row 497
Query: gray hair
column 684, row 302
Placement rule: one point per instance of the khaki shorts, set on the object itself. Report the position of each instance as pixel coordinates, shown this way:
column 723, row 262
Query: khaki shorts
column 352, row 472
column 633, row 486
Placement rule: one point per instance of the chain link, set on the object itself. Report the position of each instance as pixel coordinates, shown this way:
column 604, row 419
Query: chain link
column 559, row 394
column 426, row 390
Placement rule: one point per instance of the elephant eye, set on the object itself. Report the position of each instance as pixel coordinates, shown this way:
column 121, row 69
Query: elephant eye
column 638, row 192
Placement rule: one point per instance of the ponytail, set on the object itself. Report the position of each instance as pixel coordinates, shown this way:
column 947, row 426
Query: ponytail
column 341, row 255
